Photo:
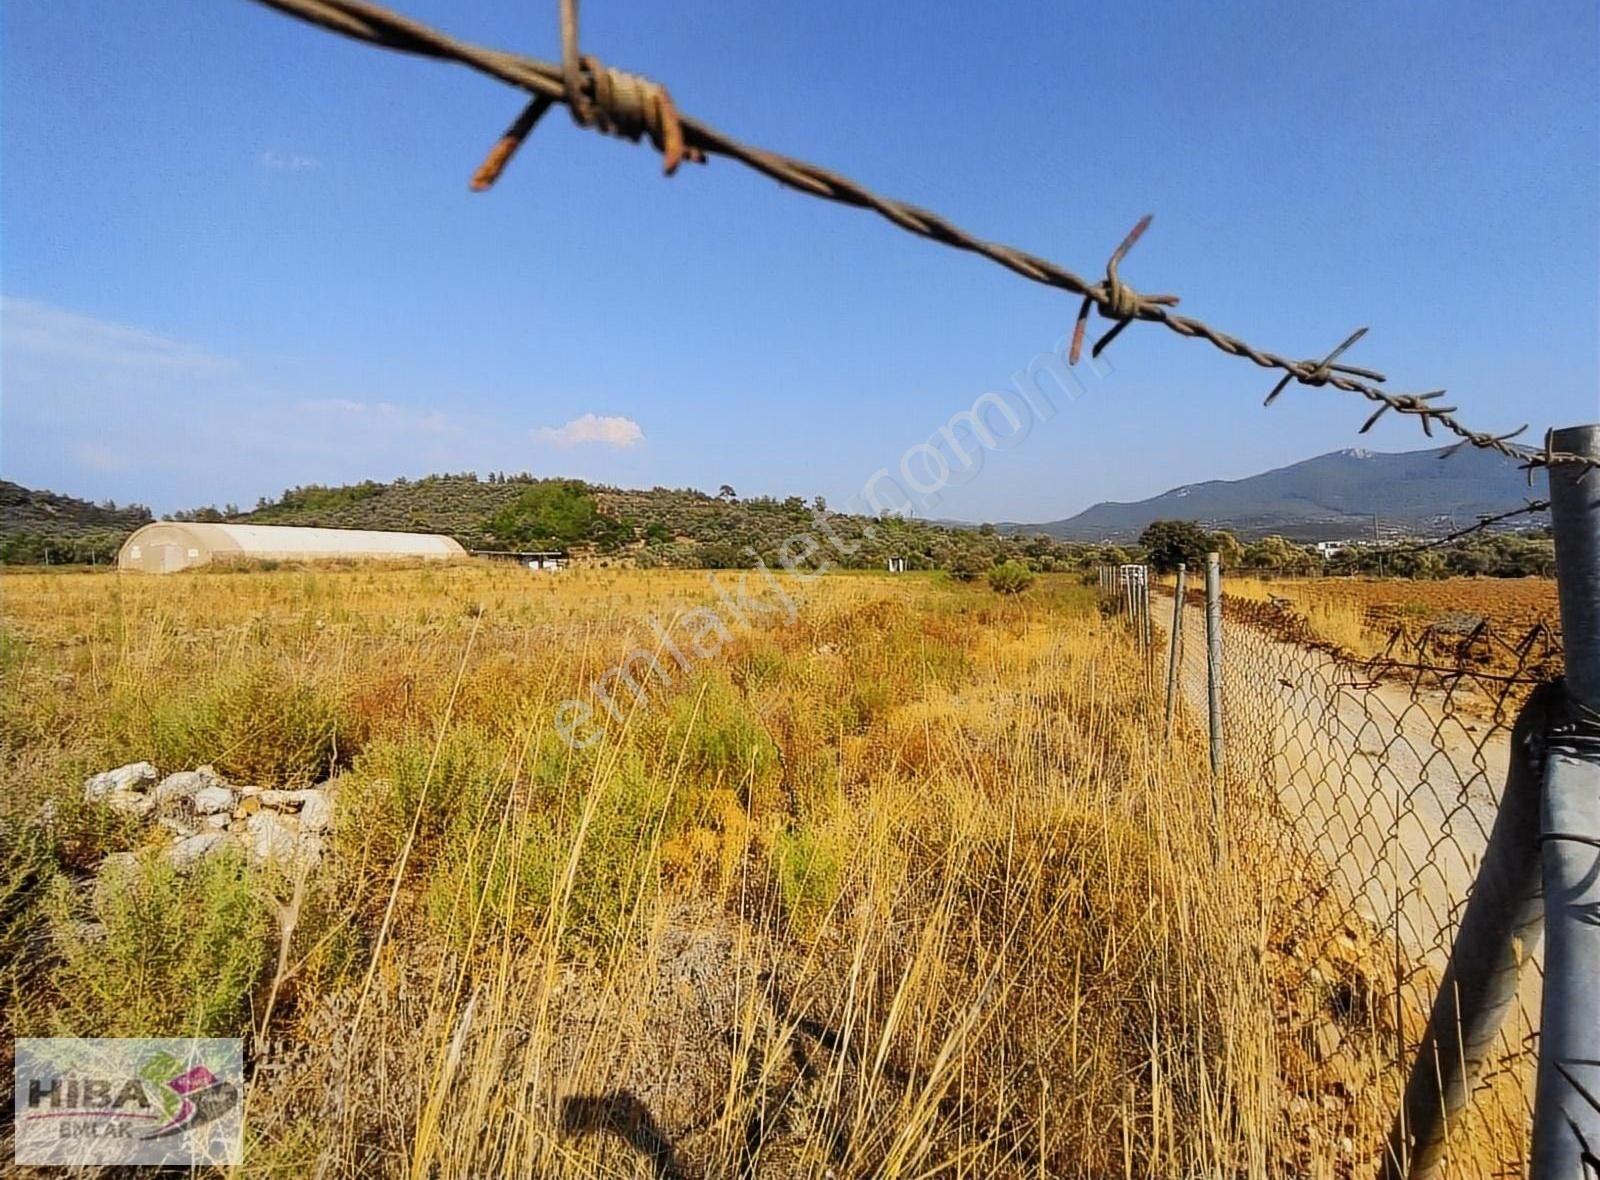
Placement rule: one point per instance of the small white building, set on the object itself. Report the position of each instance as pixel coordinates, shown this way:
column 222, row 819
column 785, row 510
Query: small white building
column 1327, row 550
column 897, row 565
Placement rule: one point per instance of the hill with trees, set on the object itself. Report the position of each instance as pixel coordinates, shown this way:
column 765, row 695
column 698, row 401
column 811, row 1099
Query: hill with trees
column 39, row 527
column 1342, row 496
column 687, row 528
column 675, row 527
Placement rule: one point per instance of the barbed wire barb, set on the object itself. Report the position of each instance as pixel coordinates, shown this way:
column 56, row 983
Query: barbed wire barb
column 629, row 106
column 500, row 155
column 1318, row 372
column 1120, row 301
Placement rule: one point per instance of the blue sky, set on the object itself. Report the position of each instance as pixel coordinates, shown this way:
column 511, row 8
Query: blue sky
column 240, row 254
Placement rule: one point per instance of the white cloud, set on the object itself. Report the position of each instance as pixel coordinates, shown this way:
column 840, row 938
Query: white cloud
column 593, row 428
column 292, row 162
column 36, row 332
column 104, row 409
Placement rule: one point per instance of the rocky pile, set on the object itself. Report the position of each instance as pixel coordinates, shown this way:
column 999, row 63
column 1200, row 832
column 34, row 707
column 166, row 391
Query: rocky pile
column 203, row 814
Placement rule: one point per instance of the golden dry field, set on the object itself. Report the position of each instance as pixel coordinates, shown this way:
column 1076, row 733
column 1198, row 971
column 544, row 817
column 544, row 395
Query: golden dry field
column 877, row 876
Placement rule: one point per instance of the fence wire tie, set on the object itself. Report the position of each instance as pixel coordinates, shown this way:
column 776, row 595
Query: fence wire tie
column 1576, row 731
column 1116, row 300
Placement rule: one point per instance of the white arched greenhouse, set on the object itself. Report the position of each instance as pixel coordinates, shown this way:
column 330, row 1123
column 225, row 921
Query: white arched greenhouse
column 169, row 545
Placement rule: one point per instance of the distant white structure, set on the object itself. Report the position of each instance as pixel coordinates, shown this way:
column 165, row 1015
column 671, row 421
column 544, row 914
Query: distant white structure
column 897, row 565
column 171, row 545
column 1329, row 549
column 545, row 561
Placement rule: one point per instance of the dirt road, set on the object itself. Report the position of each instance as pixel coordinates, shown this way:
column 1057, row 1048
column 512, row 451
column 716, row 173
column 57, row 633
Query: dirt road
column 1395, row 792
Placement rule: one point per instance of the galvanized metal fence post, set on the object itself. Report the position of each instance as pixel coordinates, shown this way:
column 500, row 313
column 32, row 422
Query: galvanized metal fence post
column 1540, row 871
column 1566, row 1121
column 1134, row 588
column 1144, row 609
column 1214, row 658
column 1174, row 652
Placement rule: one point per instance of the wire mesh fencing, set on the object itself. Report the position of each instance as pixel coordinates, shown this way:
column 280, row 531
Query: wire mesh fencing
column 1380, row 775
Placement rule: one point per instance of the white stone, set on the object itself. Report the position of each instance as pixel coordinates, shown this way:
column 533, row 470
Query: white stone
column 216, row 820
column 212, row 799
column 131, row 777
column 276, row 839
column 183, row 785
column 187, row 853
column 316, row 813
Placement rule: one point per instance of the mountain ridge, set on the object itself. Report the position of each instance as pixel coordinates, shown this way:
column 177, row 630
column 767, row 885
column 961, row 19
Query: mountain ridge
column 1344, row 495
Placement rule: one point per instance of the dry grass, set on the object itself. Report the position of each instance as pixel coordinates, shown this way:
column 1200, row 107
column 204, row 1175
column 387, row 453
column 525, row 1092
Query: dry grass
column 1361, row 614
column 905, row 888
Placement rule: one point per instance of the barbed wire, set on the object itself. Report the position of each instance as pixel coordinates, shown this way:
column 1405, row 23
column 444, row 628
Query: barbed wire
column 1486, row 522
column 631, row 107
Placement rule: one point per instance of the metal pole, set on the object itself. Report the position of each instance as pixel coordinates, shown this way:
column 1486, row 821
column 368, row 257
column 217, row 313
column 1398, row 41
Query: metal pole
column 1214, row 658
column 1566, row 1109
column 1144, row 604
column 1174, row 652
column 1499, row 931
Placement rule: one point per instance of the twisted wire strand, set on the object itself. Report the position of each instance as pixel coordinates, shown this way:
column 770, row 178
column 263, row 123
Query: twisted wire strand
column 579, row 84
column 1488, row 522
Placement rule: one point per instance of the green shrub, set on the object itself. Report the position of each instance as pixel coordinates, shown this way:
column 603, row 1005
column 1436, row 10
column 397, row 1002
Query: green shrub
column 267, row 725
column 968, row 567
column 712, row 738
column 514, row 871
column 808, row 872
column 27, row 873
column 172, row 955
column 452, row 780
column 1010, row 578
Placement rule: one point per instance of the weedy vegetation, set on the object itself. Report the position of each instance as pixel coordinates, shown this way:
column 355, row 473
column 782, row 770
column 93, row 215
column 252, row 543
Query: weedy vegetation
column 908, row 887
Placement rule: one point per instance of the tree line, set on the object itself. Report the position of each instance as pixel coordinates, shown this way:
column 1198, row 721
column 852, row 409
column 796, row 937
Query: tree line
column 1165, row 543
column 687, row 528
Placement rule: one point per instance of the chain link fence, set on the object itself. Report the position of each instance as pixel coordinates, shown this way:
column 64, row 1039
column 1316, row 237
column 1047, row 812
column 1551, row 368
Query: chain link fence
column 1385, row 774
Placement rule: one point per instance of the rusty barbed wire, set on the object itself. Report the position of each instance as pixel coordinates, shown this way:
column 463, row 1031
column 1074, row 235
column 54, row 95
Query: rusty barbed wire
column 618, row 103
column 1486, row 522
